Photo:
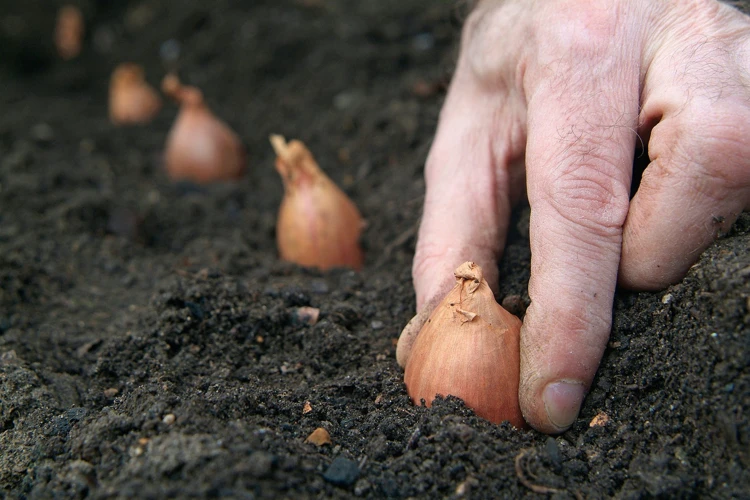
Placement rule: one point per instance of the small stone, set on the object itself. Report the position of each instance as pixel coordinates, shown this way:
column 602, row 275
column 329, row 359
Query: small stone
column 307, row 408
column 553, row 452
column 377, row 324
column 667, row 299
column 169, row 51
column 342, row 472
column 319, row 437
column 423, row 42
column 169, row 418
column 307, row 315
column 111, row 392
column 600, row 420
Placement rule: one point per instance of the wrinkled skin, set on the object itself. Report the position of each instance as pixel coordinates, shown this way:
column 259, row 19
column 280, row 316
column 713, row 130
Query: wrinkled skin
column 550, row 99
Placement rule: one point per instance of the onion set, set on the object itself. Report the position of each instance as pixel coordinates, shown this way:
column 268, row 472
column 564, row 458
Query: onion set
column 318, row 225
column 131, row 99
column 469, row 348
column 69, row 30
column 200, row 147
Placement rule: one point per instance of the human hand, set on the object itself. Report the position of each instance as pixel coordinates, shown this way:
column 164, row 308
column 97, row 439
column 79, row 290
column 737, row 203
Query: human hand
column 569, row 88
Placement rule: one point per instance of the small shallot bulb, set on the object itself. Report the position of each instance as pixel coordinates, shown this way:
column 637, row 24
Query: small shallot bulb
column 318, row 225
column 469, row 348
column 131, row 99
column 69, row 28
column 200, row 147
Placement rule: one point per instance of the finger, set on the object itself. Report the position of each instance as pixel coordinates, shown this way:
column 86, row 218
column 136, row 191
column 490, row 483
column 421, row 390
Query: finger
column 579, row 160
column 468, row 196
column 693, row 190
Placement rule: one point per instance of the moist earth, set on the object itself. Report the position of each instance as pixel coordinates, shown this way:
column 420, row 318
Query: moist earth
column 151, row 344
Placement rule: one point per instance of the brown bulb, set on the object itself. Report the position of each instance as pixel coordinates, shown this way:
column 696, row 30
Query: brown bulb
column 469, row 348
column 200, row 147
column 318, row 225
column 131, row 99
column 69, row 28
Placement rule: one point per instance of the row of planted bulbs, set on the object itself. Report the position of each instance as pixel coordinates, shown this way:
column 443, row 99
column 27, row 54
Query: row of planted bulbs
column 317, row 225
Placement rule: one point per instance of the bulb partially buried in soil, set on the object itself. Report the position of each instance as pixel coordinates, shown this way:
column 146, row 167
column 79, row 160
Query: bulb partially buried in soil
column 69, row 31
column 131, row 99
column 469, row 348
column 318, row 225
column 200, row 147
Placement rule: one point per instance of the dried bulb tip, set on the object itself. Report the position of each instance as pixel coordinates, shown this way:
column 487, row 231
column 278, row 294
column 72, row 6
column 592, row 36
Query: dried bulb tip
column 278, row 143
column 171, row 85
column 469, row 271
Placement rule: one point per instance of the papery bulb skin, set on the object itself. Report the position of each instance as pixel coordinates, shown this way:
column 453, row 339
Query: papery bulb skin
column 131, row 99
column 200, row 147
column 469, row 348
column 318, row 225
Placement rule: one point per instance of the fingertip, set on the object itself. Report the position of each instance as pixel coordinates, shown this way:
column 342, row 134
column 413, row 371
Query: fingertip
column 552, row 408
column 562, row 403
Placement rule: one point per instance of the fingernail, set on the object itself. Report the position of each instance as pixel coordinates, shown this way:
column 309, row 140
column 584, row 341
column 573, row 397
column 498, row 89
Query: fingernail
column 562, row 400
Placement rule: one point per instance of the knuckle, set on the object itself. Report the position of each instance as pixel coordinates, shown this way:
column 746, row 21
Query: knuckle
column 589, row 191
column 580, row 28
column 710, row 148
column 486, row 28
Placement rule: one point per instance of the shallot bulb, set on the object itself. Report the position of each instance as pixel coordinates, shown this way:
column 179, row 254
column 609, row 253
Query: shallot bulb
column 469, row 348
column 318, row 225
column 131, row 99
column 200, row 147
column 69, row 29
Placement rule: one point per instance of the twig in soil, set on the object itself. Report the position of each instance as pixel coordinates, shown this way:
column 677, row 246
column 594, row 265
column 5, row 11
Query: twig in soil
column 522, row 475
column 413, row 439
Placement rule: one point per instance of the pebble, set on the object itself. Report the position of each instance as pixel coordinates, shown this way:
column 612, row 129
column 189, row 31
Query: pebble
column 170, row 50
column 553, row 452
column 423, row 42
column 110, row 392
column 342, row 472
column 319, row 437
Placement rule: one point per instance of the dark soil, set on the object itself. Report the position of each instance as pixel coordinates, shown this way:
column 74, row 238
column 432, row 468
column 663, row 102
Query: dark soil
column 149, row 342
